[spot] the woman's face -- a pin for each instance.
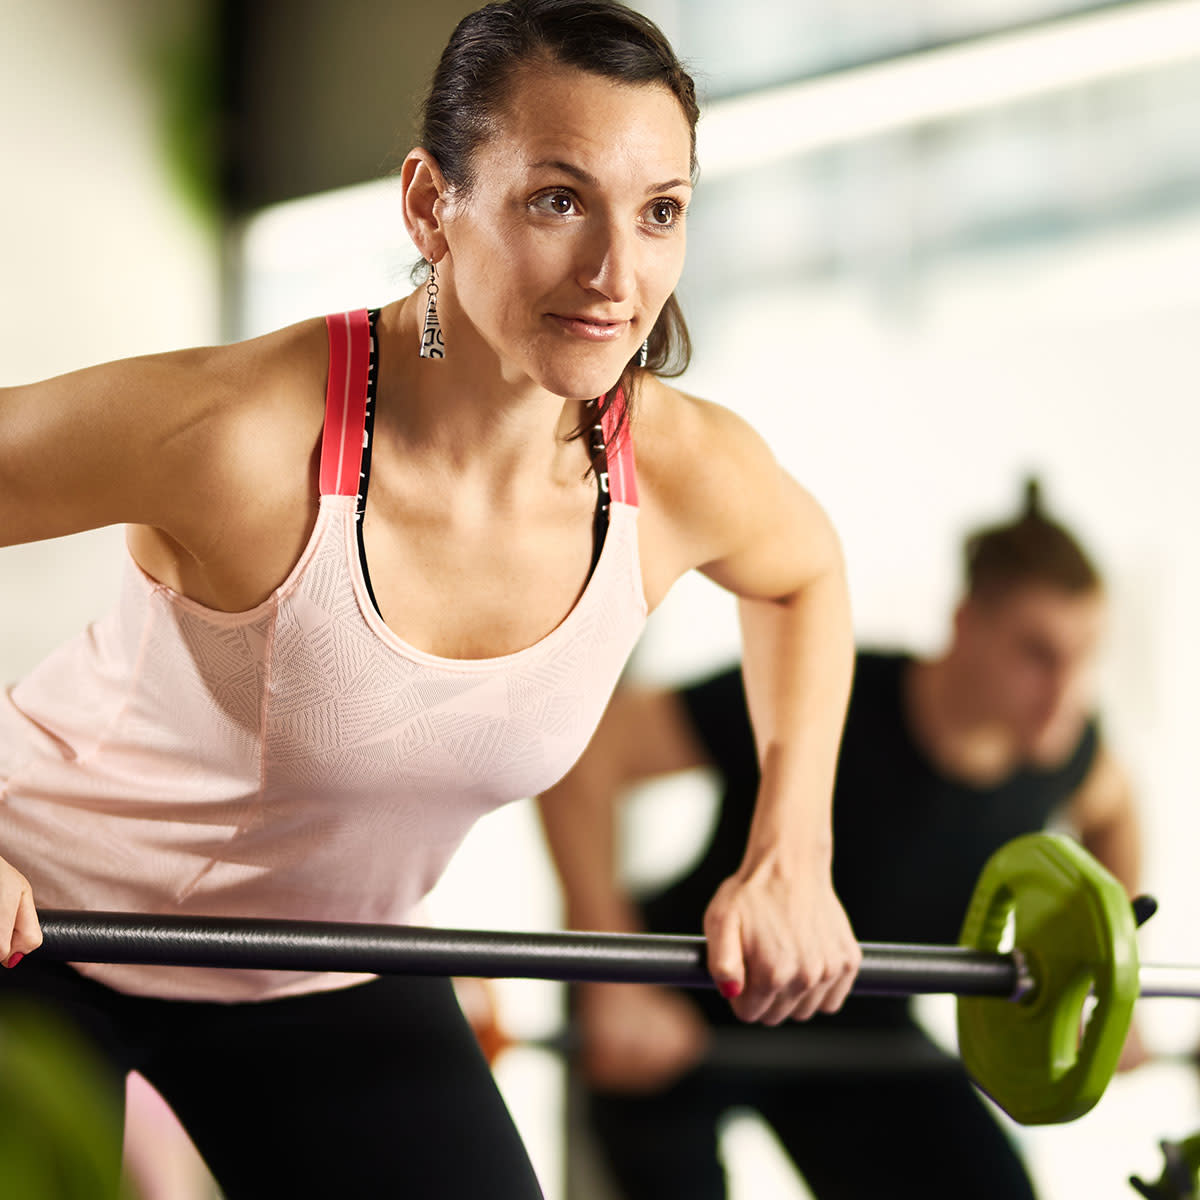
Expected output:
(571, 239)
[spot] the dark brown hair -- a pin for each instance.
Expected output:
(603, 37)
(1032, 549)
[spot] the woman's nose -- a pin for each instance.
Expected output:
(609, 263)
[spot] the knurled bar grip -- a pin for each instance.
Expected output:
(233, 942)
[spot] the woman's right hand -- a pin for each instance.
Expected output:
(19, 929)
(637, 1038)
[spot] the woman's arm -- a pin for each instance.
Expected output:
(207, 455)
(164, 440)
(779, 943)
(102, 446)
(77, 452)
(167, 444)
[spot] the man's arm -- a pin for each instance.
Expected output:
(1104, 815)
(644, 733)
(633, 1038)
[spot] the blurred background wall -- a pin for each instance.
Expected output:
(106, 248)
(935, 246)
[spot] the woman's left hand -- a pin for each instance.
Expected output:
(779, 943)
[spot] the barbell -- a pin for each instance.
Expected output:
(1046, 971)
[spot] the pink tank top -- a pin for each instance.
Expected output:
(297, 760)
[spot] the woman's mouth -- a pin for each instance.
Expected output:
(591, 329)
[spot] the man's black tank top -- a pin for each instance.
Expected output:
(909, 843)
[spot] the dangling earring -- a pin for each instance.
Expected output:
(644, 353)
(432, 344)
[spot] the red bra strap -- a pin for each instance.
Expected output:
(345, 402)
(622, 479)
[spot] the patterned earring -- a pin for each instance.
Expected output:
(644, 353)
(432, 343)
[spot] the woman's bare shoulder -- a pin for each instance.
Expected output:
(707, 483)
(255, 369)
(131, 434)
(194, 379)
(715, 497)
(276, 380)
(686, 444)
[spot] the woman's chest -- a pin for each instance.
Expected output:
(475, 589)
(344, 684)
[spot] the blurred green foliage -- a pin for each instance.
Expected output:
(60, 1130)
(183, 55)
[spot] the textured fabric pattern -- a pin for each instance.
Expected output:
(297, 760)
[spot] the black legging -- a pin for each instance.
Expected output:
(857, 1138)
(377, 1090)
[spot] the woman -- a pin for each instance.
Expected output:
(265, 727)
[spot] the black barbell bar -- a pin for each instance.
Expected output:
(253, 943)
(888, 969)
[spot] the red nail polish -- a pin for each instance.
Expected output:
(730, 990)
(14, 958)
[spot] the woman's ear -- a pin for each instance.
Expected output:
(425, 191)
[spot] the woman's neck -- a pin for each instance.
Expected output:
(462, 414)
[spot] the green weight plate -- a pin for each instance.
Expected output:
(1073, 923)
(60, 1132)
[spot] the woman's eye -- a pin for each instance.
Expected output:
(562, 204)
(665, 213)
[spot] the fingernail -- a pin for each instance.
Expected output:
(730, 989)
(14, 958)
